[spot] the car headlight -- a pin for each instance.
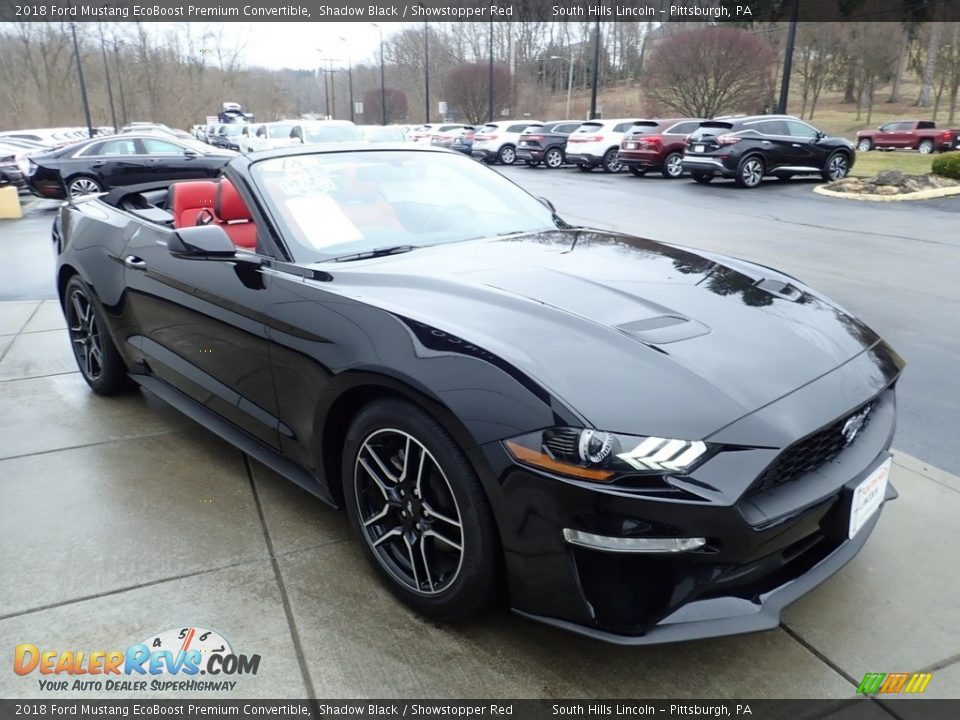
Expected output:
(599, 456)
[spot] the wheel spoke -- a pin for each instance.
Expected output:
(376, 458)
(441, 538)
(430, 512)
(88, 362)
(413, 561)
(376, 479)
(395, 532)
(426, 565)
(379, 516)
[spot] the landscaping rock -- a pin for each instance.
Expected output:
(890, 182)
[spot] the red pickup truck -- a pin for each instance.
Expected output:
(921, 135)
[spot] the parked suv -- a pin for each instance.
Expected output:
(656, 145)
(749, 148)
(597, 142)
(546, 143)
(497, 141)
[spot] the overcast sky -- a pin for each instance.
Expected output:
(295, 45)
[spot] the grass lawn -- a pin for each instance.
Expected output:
(910, 162)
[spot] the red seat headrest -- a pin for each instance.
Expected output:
(189, 197)
(229, 205)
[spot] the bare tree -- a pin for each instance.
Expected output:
(873, 45)
(931, 50)
(396, 105)
(817, 51)
(467, 90)
(709, 71)
(948, 67)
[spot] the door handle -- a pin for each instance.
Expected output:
(98, 165)
(765, 142)
(135, 263)
(796, 145)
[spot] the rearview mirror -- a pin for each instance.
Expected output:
(204, 242)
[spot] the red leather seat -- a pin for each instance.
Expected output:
(234, 216)
(192, 200)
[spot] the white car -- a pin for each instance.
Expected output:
(497, 141)
(597, 142)
(421, 134)
(265, 136)
(308, 132)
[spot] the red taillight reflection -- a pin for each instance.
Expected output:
(533, 137)
(587, 138)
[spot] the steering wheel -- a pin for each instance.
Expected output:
(451, 216)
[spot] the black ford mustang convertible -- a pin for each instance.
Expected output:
(628, 439)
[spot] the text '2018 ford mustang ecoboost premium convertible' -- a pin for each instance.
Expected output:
(633, 440)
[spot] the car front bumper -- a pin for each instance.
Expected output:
(764, 548)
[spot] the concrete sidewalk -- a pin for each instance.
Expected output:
(120, 519)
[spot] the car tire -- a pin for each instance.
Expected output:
(837, 167)
(865, 145)
(531, 163)
(638, 172)
(672, 166)
(702, 178)
(583, 167)
(553, 158)
(81, 185)
(97, 358)
(507, 155)
(750, 172)
(397, 456)
(925, 147)
(611, 161)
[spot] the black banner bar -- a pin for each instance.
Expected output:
(390, 11)
(856, 709)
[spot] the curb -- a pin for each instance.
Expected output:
(919, 195)
(930, 472)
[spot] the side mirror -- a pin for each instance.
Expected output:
(547, 204)
(204, 242)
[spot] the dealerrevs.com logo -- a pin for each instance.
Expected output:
(172, 660)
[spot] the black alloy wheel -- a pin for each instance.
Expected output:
(419, 508)
(97, 358)
(750, 172)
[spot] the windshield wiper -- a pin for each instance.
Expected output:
(376, 252)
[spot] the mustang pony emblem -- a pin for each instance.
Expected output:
(853, 426)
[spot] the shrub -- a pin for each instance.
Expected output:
(947, 165)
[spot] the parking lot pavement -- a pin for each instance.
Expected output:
(120, 519)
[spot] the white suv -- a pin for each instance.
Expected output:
(497, 141)
(597, 142)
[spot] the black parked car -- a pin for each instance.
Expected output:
(101, 164)
(546, 143)
(642, 442)
(749, 148)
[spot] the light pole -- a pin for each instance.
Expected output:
(596, 71)
(383, 82)
(426, 71)
(349, 76)
(83, 84)
(106, 72)
(490, 78)
(788, 59)
(123, 101)
(569, 79)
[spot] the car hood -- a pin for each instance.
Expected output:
(631, 334)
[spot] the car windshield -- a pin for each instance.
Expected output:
(335, 204)
(331, 133)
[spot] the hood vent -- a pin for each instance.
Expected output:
(662, 329)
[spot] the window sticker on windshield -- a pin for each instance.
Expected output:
(321, 221)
